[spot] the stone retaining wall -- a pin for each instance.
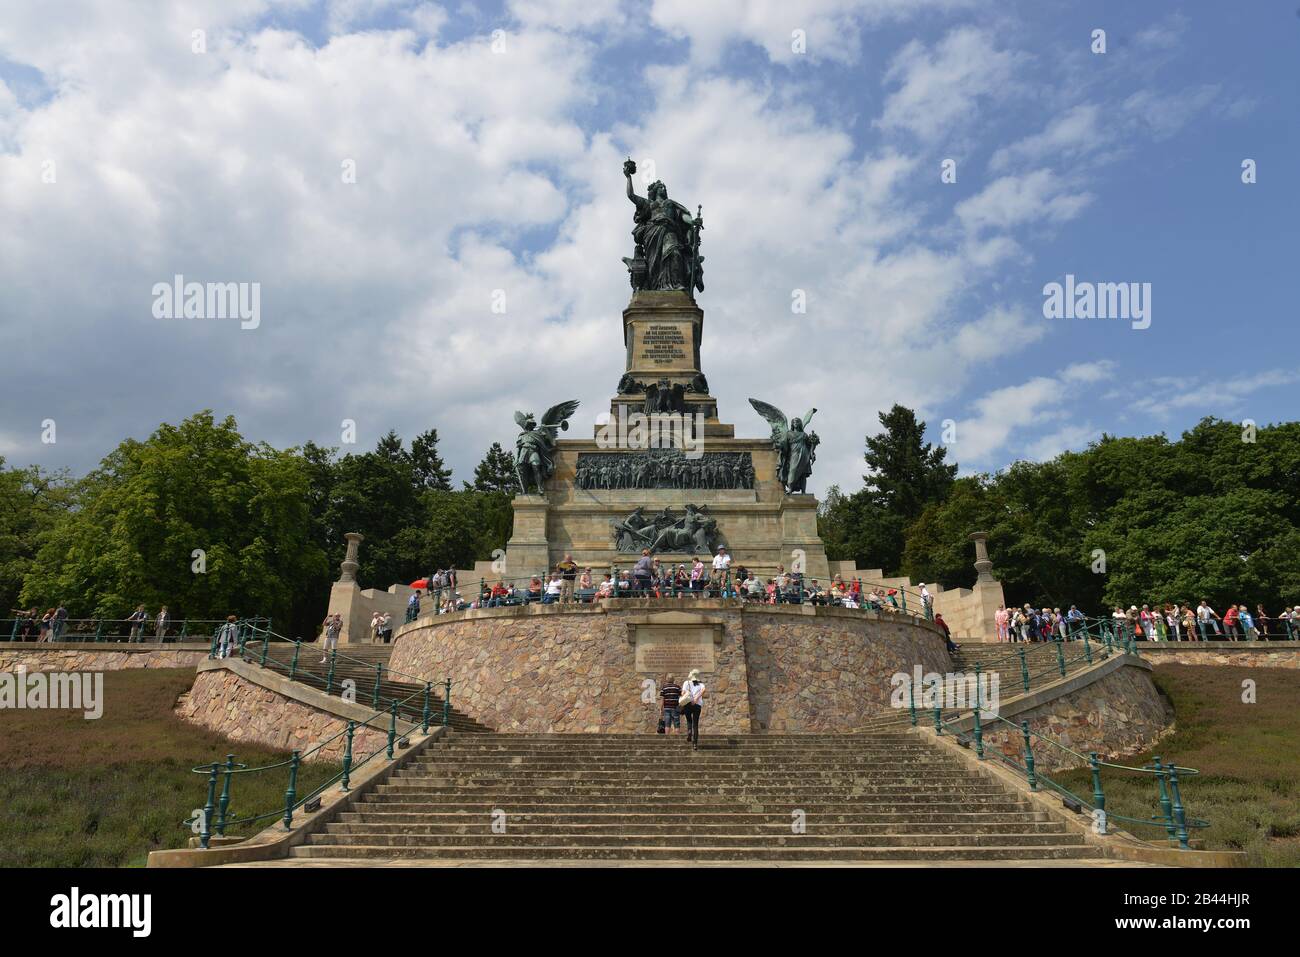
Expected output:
(1112, 708)
(550, 668)
(249, 704)
(1255, 654)
(76, 656)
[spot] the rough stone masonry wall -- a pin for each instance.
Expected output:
(548, 669)
(53, 657)
(536, 669)
(1264, 655)
(243, 711)
(830, 672)
(1119, 714)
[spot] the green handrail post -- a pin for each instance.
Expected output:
(902, 594)
(266, 644)
(13, 632)
(293, 666)
(1024, 670)
(979, 730)
(1098, 796)
(212, 651)
(424, 721)
(1180, 817)
(911, 701)
(205, 826)
(392, 726)
(938, 714)
(185, 625)
(291, 793)
(446, 703)
(379, 672)
(1166, 806)
(1105, 636)
(1029, 757)
(1087, 648)
(329, 677)
(99, 629)
(224, 804)
(347, 755)
(1060, 656)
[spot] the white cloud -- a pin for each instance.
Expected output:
(1000, 332)
(832, 27)
(939, 89)
(1012, 201)
(1076, 132)
(1003, 413)
(1221, 394)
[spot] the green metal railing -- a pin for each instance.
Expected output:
(215, 818)
(254, 643)
(1173, 817)
(118, 630)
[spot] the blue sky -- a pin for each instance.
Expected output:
(482, 169)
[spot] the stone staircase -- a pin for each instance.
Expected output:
(884, 796)
(360, 665)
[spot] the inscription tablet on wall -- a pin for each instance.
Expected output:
(674, 650)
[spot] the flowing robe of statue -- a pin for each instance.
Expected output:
(664, 234)
(798, 456)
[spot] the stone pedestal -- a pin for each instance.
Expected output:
(800, 542)
(662, 333)
(761, 526)
(528, 551)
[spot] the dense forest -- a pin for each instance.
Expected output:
(201, 519)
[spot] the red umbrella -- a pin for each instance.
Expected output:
(420, 583)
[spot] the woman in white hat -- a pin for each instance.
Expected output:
(692, 704)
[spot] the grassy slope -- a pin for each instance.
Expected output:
(78, 793)
(1248, 756)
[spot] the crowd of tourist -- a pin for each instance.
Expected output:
(650, 577)
(29, 624)
(1167, 622)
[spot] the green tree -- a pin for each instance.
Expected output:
(32, 501)
(905, 474)
(139, 518)
(426, 463)
(496, 473)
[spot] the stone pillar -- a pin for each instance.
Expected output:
(528, 551)
(987, 592)
(345, 594)
(349, 564)
(799, 535)
(983, 566)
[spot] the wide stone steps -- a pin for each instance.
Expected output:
(783, 837)
(1003, 804)
(677, 828)
(701, 852)
(1008, 818)
(887, 796)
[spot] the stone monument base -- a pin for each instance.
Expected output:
(597, 668)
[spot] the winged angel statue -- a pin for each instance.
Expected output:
(797, 448)
(535, 447)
